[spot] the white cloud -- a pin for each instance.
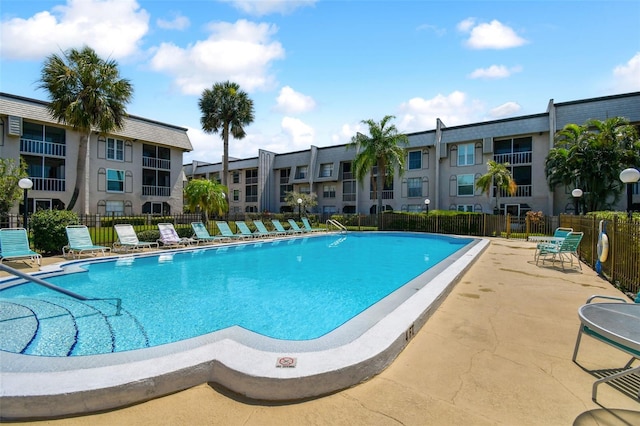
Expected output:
(346, 132)
(179, 22)
(113, 28)
(301, 135)
(241, 52)
(493, 35)
(265, 7)
(494, 72)
(505, 110)
(291, 102)
(432, 28)
(627, 76)
(420, 114)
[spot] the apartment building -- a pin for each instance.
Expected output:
(137, 169)
(442, 167)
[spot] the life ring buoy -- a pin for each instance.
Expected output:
(603, 247)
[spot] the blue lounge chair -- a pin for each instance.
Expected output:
(295, 227)
(276, 224)
(14, 245)
(224, 229)
(558, 236)
(169, 236)
(80, 242)
(244, 230)
(308, 228)
(128, 239)
(201, 234)
(264, 231)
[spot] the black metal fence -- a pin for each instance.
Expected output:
(621, 268)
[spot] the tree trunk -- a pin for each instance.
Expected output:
(80, 167)
(87, 174)
(225, 160)
(380, 183)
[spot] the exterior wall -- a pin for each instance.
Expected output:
(136, 133)
(440, 171)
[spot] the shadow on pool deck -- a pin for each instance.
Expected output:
(497, 351)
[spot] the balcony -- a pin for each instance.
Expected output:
(30, 146)
(348, 197)
(513, 158)
(521, 191)
(156, 163)
(386, 195)
(48, 184)
(156, 191)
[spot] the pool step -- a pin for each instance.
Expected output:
(58, 326)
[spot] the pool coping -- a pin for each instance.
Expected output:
(52, 387)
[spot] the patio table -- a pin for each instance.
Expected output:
(617, 324)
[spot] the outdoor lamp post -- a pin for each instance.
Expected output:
(299, 207)
(576, 194)
(629, 176)
(426, 205)
(26, 184)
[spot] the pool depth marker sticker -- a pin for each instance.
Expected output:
(286, 362)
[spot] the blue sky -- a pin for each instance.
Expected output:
(315, 69)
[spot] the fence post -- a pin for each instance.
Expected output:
(508, 222)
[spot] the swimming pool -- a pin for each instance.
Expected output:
(236, 338)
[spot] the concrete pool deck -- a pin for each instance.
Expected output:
(497, 351)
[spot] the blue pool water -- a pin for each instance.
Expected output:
(290, 289)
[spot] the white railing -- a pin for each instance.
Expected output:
(521, 191)
(386, 195)
(156, 163)
(333, 222)
(513, 158)
(348, 197)
(31, 146)
(156, 191)
(48, 184)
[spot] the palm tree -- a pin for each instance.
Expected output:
(225, 107)
(382, 149)
(86, 93)
(206, 195)
(497, 175)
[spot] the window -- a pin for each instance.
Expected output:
(38, 132)
(301, 172)
(326, 170)
(251, 176)
(115, 149)
(465, 208)
(236, 177)
(415, 160)
(346, 171)
(236, 195)
(284, 184)
(466, 154)
(349, 190)
(329, 191)
(305, 189)
(252, 194)
(115, 181)
(465, 185)
(414, 187)
(115, 207)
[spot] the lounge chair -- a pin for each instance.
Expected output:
(615, 324)
(224, 229)
(80, 242)
(169, 236)
(14, 245)
(557, 237)
(307, 226)
(264, 231)
(295, 227)
(201, 234)
(276, 224)
(244, 230)
(128, 239)
(566, 248)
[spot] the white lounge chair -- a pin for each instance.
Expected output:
(128, 239)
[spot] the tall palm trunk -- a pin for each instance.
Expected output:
(80, 171)
(380, 182)
(225, 160)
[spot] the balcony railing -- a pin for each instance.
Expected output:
(521, 191)
(347, 175)
(48, 184)
(156, 163)
(156, 191)
(348, 197)
(386, 195)
(251, 199)
(513, 158)
(30, 146)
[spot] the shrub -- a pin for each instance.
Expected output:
(48, 226)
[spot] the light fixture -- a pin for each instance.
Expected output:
(426, 204)
(576, 194)
(26, 184)
(629, 176)
(299, 207)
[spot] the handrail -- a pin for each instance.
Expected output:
(341, 227)
(53, 287)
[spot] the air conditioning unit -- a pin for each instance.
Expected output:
(15, 126)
